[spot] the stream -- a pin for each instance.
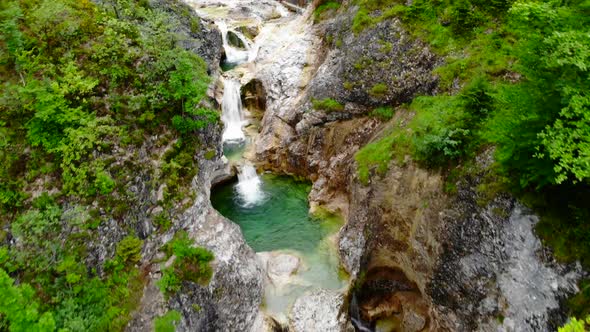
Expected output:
(297, 250)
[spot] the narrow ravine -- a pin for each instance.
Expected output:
(297, 251)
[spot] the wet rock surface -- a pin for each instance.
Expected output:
(494, 274)
(243, 10)
(279, 267)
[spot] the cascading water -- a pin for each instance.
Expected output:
(355, 316)
(233, 55)
(249, 187)
(231, 113)
(272, 211)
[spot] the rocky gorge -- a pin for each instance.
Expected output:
(420, 259)
(293, 165)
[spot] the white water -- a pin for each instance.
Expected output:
(280, 50)
(231, 112)
(234, 55)
(249, 186)
(355, 316)
(283, 10)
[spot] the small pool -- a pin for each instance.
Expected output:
(280, 222)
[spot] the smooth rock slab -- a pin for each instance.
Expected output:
(319, 311)
(279, 267)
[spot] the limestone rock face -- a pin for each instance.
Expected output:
(231, 300)
(382, 65)
(494, 266)
(194, 33)
(232, 297)
(319, 311)
(447, 260)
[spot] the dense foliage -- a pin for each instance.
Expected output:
(83, 87)
(575, 325)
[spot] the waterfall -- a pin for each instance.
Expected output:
(231, 112)
(233, 55)
(282, 10)
(249, 186)
(355, 316)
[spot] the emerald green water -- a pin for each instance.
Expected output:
(234, 152)
(281, 222)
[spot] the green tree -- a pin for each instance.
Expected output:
(20, 309)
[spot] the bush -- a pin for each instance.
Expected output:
(104, 183)
(378, 90)
(191, 264)
(576, 325)
(194, 120)
(440, 146)
(163, 222)
(439, 130)
(129, 250)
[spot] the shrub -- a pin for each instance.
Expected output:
(194, 120)
(440, 146)
(191, 264)
(378, 90)
(464, 18)
(162, 221)
(129, 250)
(104, 183)
(576, 325)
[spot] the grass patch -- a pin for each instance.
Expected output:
(327, 104)
(167, 323)
(377, 155)
(384, 113)
(326, 7)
